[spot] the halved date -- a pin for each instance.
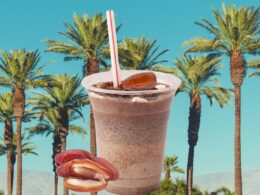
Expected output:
(84, 169)
(84, 173)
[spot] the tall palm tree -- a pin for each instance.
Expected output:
(27, 148)
(199, 77)
(20, 72)
(139, 54)
(235, 34)
(61, 103)
(48, 124)
(170, 165)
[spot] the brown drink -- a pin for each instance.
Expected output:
(131, 130)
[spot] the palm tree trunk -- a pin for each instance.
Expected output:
(167, 175)
(64, 124)
(8, 140)
(19, 156)
(238, 176)
(93, 144)
(92, 67)
(190, 170)
(63, 148)
(237, 73)
(13, 160)
(19, 102)
(56, 148)
(55, 184)
(89, 68)
(9, 171)
(193, 131)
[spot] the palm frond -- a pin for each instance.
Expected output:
(68, 96)
(20, 68)
(139, 54)
(77, 129)
(199, 74)
(170, 164)
(235, 29)
(165, 69)
(85, 38)
(221, 95)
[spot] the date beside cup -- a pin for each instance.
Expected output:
(84, 173)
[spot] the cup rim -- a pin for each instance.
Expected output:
(165, 78)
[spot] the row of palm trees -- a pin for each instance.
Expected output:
(235, 34)
(55, 110)
(20, 73)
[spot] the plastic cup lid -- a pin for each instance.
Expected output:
(170, 80)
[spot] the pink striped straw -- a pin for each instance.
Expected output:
(113, 48)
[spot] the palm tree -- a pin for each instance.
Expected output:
(27, 148)
(199, 77)
(59, 105)
(48, 124)
(139, 54)
(170, 165)
(20, 72)
(235, 34)
(223, 190)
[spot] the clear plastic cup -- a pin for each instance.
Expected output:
(131, 129)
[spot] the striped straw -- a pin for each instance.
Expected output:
(113, 48)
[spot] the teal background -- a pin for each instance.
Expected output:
(27, 23)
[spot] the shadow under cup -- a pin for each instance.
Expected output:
(130, 131)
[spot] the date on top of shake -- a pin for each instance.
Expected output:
(141, 81)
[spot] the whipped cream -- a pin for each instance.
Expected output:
(160, 86)
(139, 99)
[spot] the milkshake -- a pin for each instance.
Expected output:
(131, 129)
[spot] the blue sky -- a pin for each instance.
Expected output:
(27, 23)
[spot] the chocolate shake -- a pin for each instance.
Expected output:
(131, 129)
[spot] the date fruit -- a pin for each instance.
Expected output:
(141, 81)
